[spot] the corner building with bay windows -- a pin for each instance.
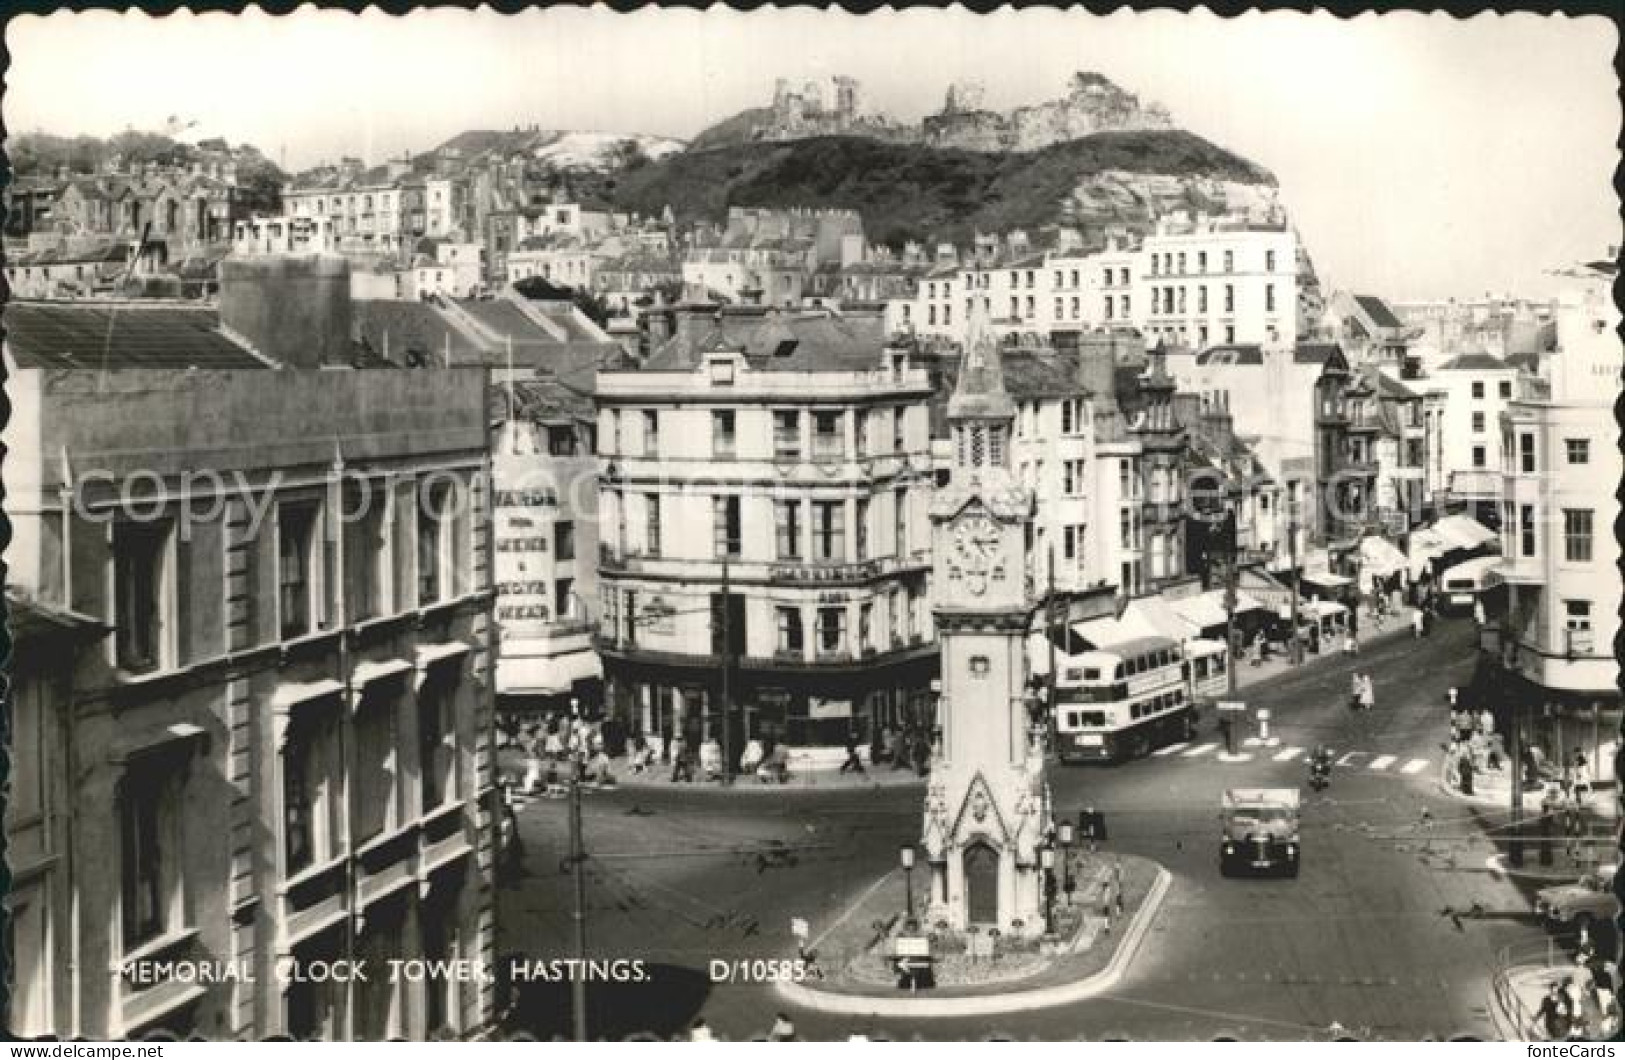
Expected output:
(267, 738)
(765, 481)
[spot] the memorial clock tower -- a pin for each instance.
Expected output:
(987, 808)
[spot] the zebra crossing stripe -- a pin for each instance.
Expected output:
(1382, 762)
(1289, 754)
(1345, 759)
(1202, 750)
(1172, 748)
(1415, 765)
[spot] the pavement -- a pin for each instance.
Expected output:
(702, 890)
(1280, 663)
(1018, 997)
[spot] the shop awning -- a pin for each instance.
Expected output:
(1106, 631)
(1325, 579)
(1379, 556)
(1463, 531)
(546, 675)
(1321, 608)
(1483, 572)
(1203, 611)
(1164, 616)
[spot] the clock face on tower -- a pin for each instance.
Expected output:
(974, 551)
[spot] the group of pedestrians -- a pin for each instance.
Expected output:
(1583, 1006)
(573, 744)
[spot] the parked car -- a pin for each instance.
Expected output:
(1581, 903)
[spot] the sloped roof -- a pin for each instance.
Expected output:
(1035, 374)
(1377, 310)
(1317, 353)
(545, 399)
(411, 327)
(108, 335)
(791, 342)
(1478, 361)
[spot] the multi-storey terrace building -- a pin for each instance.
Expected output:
(1560, 463)
(281, 752)
(764, 487)
(545, 544)
(1464, 434)
(1196, 282)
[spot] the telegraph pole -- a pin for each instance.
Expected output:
(1292, 552)
(578, 915)
(727, 690)
(1230, 595)
(1049, 631)
(1515, 763)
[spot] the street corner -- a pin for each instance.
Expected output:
(980, 973)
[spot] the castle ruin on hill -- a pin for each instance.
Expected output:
(833, 106)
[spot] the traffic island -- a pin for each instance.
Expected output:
(981, 973)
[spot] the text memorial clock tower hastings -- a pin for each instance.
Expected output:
(987, 808)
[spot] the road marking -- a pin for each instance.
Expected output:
(1415, 765)
(1345, 759)
(1202, 750)
(1382, 762)
(1289, 754)
(1170, 749)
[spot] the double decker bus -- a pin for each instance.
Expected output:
(1207, 664)
(1123, 701)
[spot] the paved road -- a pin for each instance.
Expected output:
(683, 878)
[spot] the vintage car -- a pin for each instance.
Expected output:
(1260, 831)
(1588, 899)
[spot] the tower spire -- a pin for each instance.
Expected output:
(979, 392)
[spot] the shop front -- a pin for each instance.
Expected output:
(661, 695)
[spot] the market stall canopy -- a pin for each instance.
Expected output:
(1322, 608)
(1379, 556)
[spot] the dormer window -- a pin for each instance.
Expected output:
(722, 373)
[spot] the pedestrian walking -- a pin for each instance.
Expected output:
(1464, 769)
(1418, 625)
(1580, 776)
(1368, 693)
(1350, 646)
(1356, 690)
(853, 763)
(700, 1032)
(1553, 1017)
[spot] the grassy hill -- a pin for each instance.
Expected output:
(912, 192)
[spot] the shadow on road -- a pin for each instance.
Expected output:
(663, 1004)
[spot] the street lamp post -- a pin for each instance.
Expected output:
(1064, 836)
(1046, 858)
(905, 855)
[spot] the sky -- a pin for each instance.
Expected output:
(1420, 156)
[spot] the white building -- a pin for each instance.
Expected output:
(285, 234)
(1560, 464)
(1464, 433)
(766, 473)
(1201, 282)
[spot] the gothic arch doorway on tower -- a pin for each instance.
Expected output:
(981, 884)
